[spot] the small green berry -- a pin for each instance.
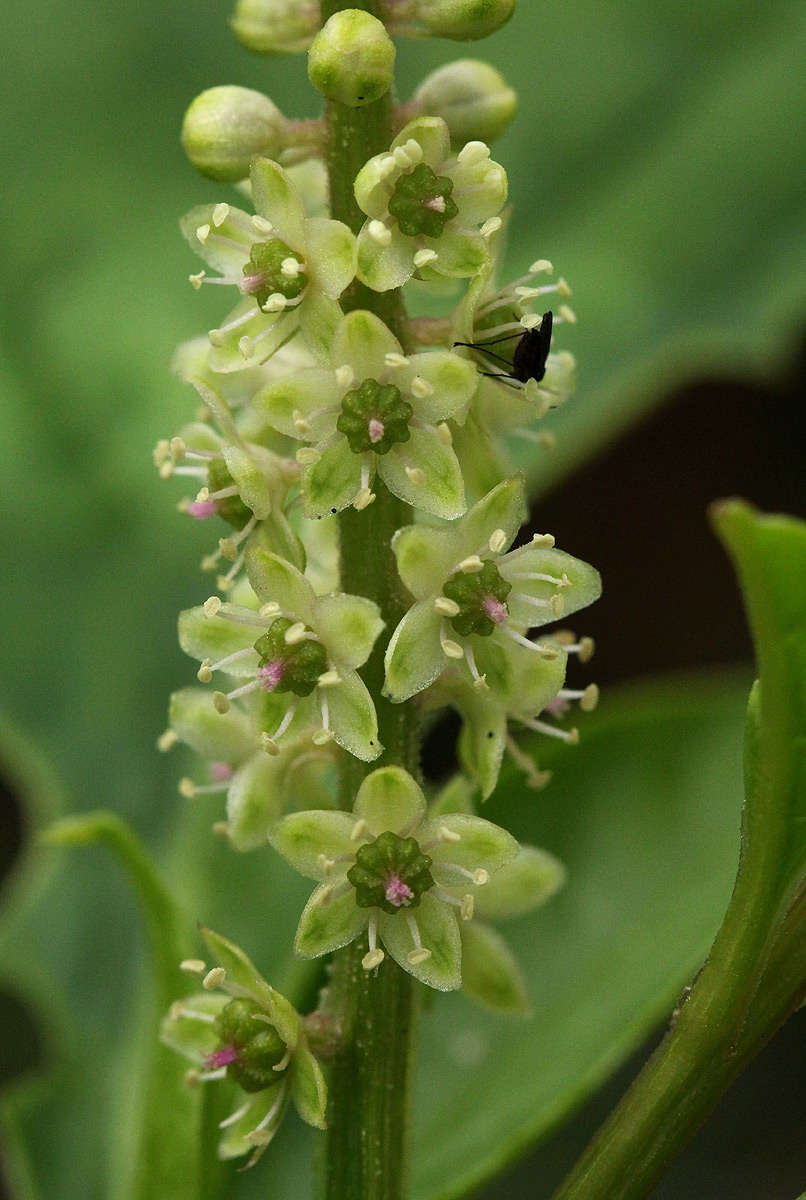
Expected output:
(480, 596)
(374, 417)
(226, 126)
(473, 99)
(390, 873)
(422, 202)
(352, 58)
(230, 508)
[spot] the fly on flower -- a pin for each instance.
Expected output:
(530, 357)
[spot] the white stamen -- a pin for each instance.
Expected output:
(571, 736)
(236, 1116)
(375, 956)
(479, 681)
(567, 314)
(379, 233)
(446, 607)
(196, 281)
(421, 387)
(450, 648)
(490, 226)
(218, 336)
(423, 257)
(535, 778)
(546, 651)
(295, 634)
(220, 214)
(444, 434)
(359, 830)
(416, 476)
(470, 565)
(419, 954)
(261, 224)
(166, 741)
(202, 233)
(540, 266)
(393, 359)
(193, 966)
(498, 539)
(214, 978)
(306, 456)
(345, 376)
(328, 679)
(473, 153)
(414, 150)
(212, 606)
(290, 268)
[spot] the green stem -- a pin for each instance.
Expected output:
(369, 1078)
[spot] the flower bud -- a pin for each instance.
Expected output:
(276, 26)
(226, 126)
(352, 59)
(464, 20)
(473, 99)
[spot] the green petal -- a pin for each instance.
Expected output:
(522, 679)
(303, 393)
(235, 1142)
(529, 880)
(254, 801)
(272, 578)
(329, 923)
(275, 198)
(193, 1038)
(229, 353)
(389, 799)
(481, 462)
(331, 252)
(460, 253)
(479, 189)
(414, 655)
(480, 844)
(333, 482)
(371, 187)
(455, 796)
(483, 739)
(217, 252)
(303, 837)
(362, 341)
(243, 979)
(585, 584)
(352, 716)
(252, 482)
(439, 933)
(348, 626)
(308, 1089)
(490, 974)
(201, 637)
(442, 491)
(432, 135)
(222, 737)
(318, 317)
(385, 267)
(453, 379)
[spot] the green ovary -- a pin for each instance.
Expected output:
(232, 508)
(422, 202)
(258, 1046)
(264, 276)
(480, 597)
(289, 668)
(374, 417)
(390, 873)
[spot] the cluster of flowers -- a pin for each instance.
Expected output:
(307, 411)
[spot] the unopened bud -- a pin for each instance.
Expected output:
(226, 126)
(352, 58)
(276, 26)
(464, 20)
(473, 99)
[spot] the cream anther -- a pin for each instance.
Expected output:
(452, 649)
(359, 830)
(467, 908)
(220, 214)
(295, 633)
(178, 448)
(214, 978)
(204, 673)
(498, 539)
(541, 265)
(416, 476)
(418, 956)
(589, 698)
(220, 828)
(187, 788)
(387, 166)
(261, 224)
(586, 649)
(449, 835)
(490, 226)
(322, 737)
(193, 966)
(300, 423)
(444, 434)
(393, 359)
(328, 679)
(480, 877)
(563, 288)
(269, 609)
(480, 683)
(325, 864)
(379, 233)
(268, 744)
(196, 281)
(229, 548)
(567, 314)
(414, 150)
(373, 959)
(470, 565)
(530, 321)
(542, 539)
(446, 607)
(220, 702)
(275, 303)
(423, 257)
(290, 268)
(402, 159)
(363, 499)
(557, 604)
(345, 376)
(212, 606)
(166, 741)
(527, 293)
(421, 387)
(202, 233)
(472, 153)
(203, 495)
(306, 456)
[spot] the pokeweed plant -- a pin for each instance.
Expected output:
(376, 565)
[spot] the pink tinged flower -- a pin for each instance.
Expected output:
(220, 771)
(397, 892)
(271, 674)
(494, 609)
(557, 707)
(375, 429)
(202, 509)
(221, 1058)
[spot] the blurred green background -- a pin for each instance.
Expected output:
(657, 160)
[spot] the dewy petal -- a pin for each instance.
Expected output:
(244, 979)
(453, 380)
(426, 557)
(389, 799)
(523, 680)
(433, 137)
(235, 1140)
(318, 317)
(529, 880)
(483, 739)
(335, 480)
(502, 508)
(217, 249)
(214, 637)
(255, 800)
(329, 922)
(253, 483)
(460, 252)
(362, 342)
(348, 627)
(230, 351)
(221, 737)
(308, 1089)
(490, 973)
(385, 267)
(441, 491)
(303, 838)
(331, 254)
(414, 657)
(439, 933)
(302, 394)
(480, 844)
(188, 1036)
(371, 190)
(352, 716)
(479, 189)
(274, 579)
(584, 586)
(275, 198)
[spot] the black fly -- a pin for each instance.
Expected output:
(529, 359)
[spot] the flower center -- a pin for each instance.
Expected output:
(374, 416)
(289, 667)
(250, 1049)
(390, 873)
(422, 202)
(480, 596)
(273, 268)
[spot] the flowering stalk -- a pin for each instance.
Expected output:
(358, 457)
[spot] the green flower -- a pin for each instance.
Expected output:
(240, 1028)
(289, 268)
(374, 409)
(474, 604)
(298, 646)
(425, 205)
(392, 871)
